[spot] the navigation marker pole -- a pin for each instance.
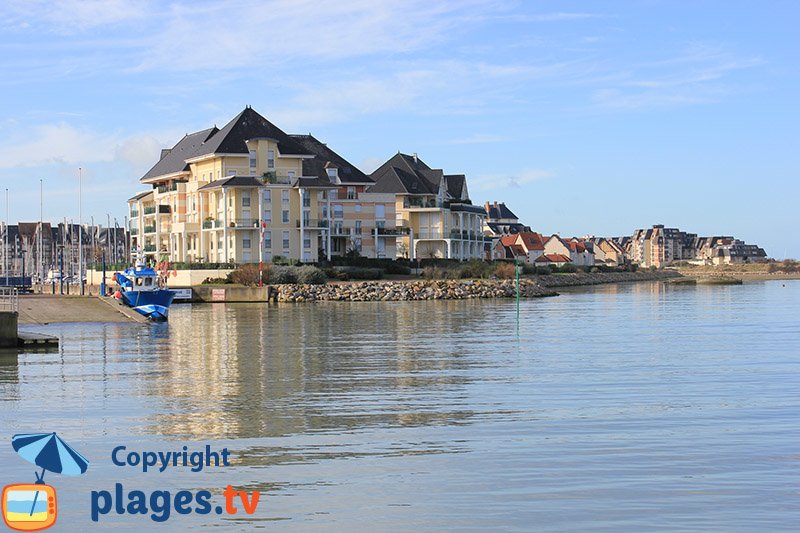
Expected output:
(516, 268)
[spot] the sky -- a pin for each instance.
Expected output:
(593, 117)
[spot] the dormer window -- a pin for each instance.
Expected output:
(333, 174)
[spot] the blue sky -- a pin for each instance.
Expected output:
(593, 117)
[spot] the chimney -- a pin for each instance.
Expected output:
(414, 155)
(495, 204)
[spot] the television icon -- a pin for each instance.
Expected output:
(29, 506)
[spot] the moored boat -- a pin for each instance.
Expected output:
(142, 290)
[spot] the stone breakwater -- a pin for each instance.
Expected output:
(597, 278)
(372, 291)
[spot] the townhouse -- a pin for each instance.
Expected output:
(435, 217)
(575, 249)
(250, 191)
(526, 246)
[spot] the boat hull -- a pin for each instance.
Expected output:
(152, 304)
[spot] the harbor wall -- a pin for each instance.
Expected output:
(8, 328)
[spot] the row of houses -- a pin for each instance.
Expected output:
(38, 248)
(250, 191)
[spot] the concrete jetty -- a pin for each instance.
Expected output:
(49, 309)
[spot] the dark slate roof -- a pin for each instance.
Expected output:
(245, 126)
(314, 182)
(406, 174)
(325, 158)
(174, 160)
(140, 195)
(233, 181)
(455, 185)
(501, 211)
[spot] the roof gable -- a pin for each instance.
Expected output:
(325, 158)
(174, 159)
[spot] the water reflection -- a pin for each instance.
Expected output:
(9, 375)
(267, 371)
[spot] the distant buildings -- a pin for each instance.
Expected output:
(56, 246)
(659, 246)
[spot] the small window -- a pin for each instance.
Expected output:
(285, 196)
(232, 172)
(333, 173)
(268, 216)
(285, 216)
(246, 243)
(306, 200)
(290, 174)
(351, 193)
(358, 208)
(268, 239)
(358, 227)
(252, 162)
(307, 242)
(338, 212)
(270, 158)
(380, 211)
(245, 199)
(285, 240)
(148, 282)
(267, 195)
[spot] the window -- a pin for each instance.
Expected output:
(246, 243)
(306, 217)
(358, 208)
(358, 227)
(307, 242)
(245, 199)
(351, 193)
(232, 172)
(252, 162)
(325, 212)
(268, 216)
(285, 216)
(333, 173)
(380, 212)
(285, 196)
(267, 196)
(321, 196)
(268, 239)
(334, 194)
(290, 174)
(358, 244)
(270, 158)
(285, 240)
(306, 200)
(338, 212)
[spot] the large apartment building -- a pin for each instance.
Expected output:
(434, 215)
(250, 191)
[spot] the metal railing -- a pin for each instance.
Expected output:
(149, 247)
(312, 223)
(209, 224)
(9, 299)
(246, 223)
(149, 210)
(149, 229)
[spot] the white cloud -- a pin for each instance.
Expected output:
(72, 16)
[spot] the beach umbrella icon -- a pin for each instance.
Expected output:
(48, 451)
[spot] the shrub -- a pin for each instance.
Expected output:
(217, 281)
(475, 268)
(311, 275)
(396, 268)
(505, 271)
(280, 275)
(567, 268)
(528, 268)
(362, 273)
(544, 270)
(247, 275)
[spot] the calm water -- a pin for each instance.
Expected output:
(633, 407)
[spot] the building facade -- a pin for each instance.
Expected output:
(251, 192)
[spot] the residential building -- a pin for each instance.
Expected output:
(606, 251)
(434, 215)
(525, 245)
(573, 248)
(660, 246)
(556, 260)
(250, 191)
(500, 220)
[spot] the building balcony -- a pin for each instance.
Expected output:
(134, 231)
(164, 209)
(150, 210)
(312, 223)
(392, 232)
(211, 224)
(273, 179)
(244, 223)
(134, 214)
(149, 248)
(340, 232)
(149, 229)
(167, 188)
(431, 235)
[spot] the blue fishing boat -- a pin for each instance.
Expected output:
(141, 288)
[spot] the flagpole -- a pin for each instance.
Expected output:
(41, 235)
(5, 255)
(80, 228)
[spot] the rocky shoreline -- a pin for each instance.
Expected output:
(374, 291)
(598, 278)
(387, 291)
